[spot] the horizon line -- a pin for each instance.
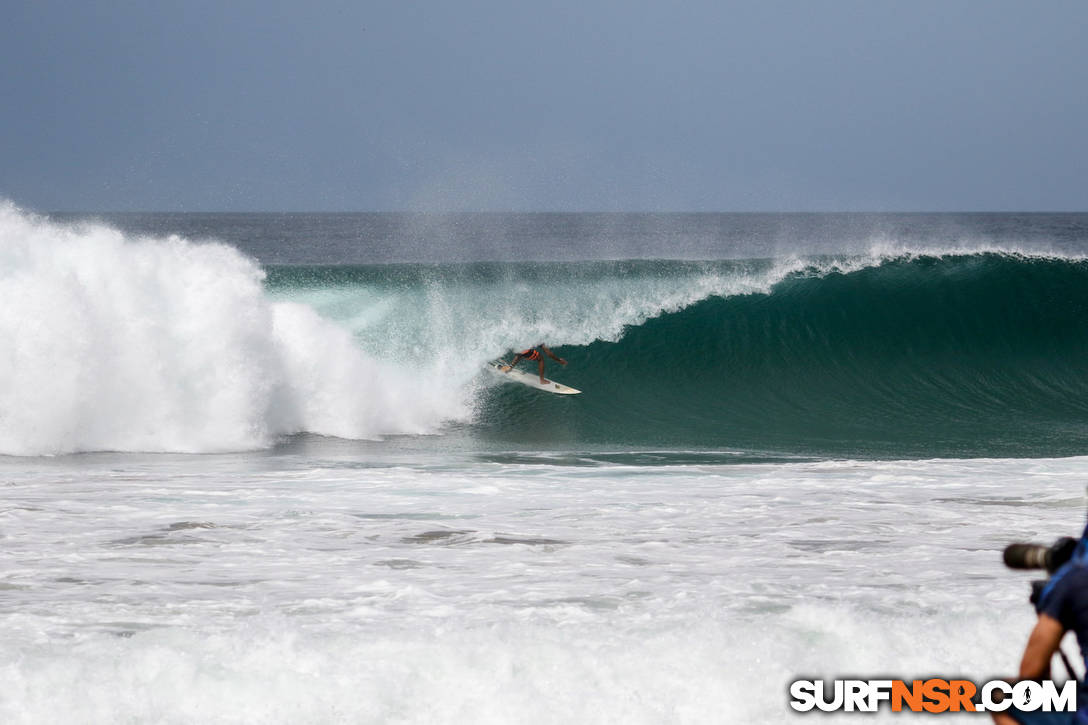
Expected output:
(463, 212)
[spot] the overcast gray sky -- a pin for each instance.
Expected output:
(509, 105)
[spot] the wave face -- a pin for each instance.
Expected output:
(967, 354)
(159, 344)
(961, 355)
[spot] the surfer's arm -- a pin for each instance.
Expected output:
(552, 355)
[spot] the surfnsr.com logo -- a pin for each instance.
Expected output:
(933, 695)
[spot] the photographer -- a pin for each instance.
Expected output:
(1062, 605)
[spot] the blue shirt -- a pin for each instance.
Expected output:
(1065, 599)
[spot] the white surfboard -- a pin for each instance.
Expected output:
(533, 380)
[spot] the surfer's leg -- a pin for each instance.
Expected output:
(542, 380)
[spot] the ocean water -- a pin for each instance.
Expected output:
(254, 469)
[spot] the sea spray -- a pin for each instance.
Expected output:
(117, 343)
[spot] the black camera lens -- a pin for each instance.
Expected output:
(1026, 556)
(1036, 556)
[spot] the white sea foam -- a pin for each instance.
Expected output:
(257, 588)
(146, 344)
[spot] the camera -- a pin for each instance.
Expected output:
(1037, 556)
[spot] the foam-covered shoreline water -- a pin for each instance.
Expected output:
(231, 588)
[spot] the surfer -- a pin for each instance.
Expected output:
(533, 353)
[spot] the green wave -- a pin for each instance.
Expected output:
(961, 355)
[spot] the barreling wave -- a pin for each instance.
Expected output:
(159, 344)
(897, 354)
(977, 354)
